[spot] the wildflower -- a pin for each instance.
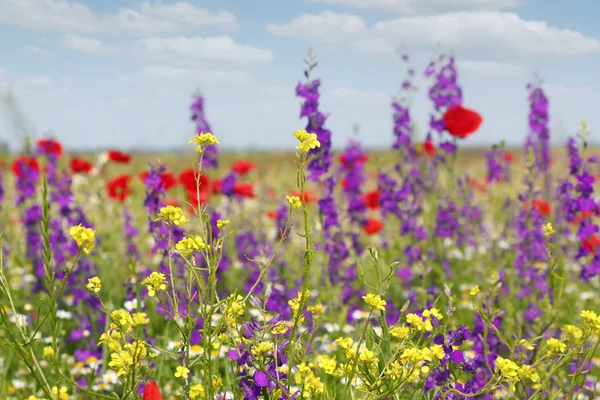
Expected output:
(119, 157)
(79, 165)
(48, 353)
(155, 283)
(400, 332)
(182, 372)
(474, 291)
(242, 167)
(203, 140)
(61, 394)
(262, 348)
(417, 322)
(280, 329)
(94, 284)
(307, 140)
(293, 201)
(372, 226)
(344, 343)
(152, 392)
(462, 122)
(368, 357)
(590, 318)
(172, 215)
(528, 372)
(123, 318)
(548, 229)
(555, 346)
(507, 369)
(310, 384)
(235, 309)
(415, 355)
(189, 245)
(395, 370)
(375, 301)
(221, 223)
(525, 343)
(573, 332)
(140, 318)
(433, 312)
(197, 391)
(112, 339)
(84, 237)
(118, 188)
(327, 364)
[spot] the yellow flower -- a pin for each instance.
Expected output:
(155, 282)
(94, 284)
(525, 343)
(400, 332)
(591, 319)
(280, 329)
(548, 229)
(182, 372)
(307, 140)
(123, 318)
(85, 237)
(221, 223)
(417, 322)
(140, 318)
(433, 312)
(203, 140)
(507, 369)
(555, 346)
(305, 378)
(262, 348)
(197, 391)
(375, 301)
(171, 214)
(190, 245)
(62, 394)
(327, 364)
(368, 357)
(112, 339)
(437, 351)
(48, 353)
(573, 332)
(293, 201)
(528, 372)
(474, 291)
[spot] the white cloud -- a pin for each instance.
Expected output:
(491, 69)
(195, 76)
(344, 95)
(184, 50)
(410, 7)
(147, 19)
(87, 45)
(41, 85)
(488, 33)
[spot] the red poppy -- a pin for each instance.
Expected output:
(151, 392)
(347, 164)
(581, 215)
(477, 185)
(372, 226)
(429, 148)
(118, 188)
(345, 183)
(462, 122)
(272, 215)
(50, 146)
(542, 206)
(168, 180)
(309, 196)
(20, 162)
(187, 178)
(591, 243)
(242, 167)
(79, 165)
(119, 157)
(371, 199)
(244, 189)
(216, 186)
(508, 157)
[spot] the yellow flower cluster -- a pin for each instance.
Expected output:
(280, 329)
(555, 346)
(400, 332)
(375, 301)
(235, 308)
(48, 353)
(311, 384)
(124, 360)
(190, 245)
(221, 223)
(474, 291)
(85, 237)
(295, 305)
(173, 215)
(155, 283)
(182, 372)
(112, 339)
(548, 229)
(94, 284)
(510, 372)
(294, 201)
(416, 355)
(262, 348)
(197, 392)
(202, 140)
(62, 393)
(590, 319)
(307, 140)
(573, 333)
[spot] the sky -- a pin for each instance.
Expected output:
(100, 74)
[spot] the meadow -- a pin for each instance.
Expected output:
(425, 271)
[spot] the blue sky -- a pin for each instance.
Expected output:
(121, 73)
